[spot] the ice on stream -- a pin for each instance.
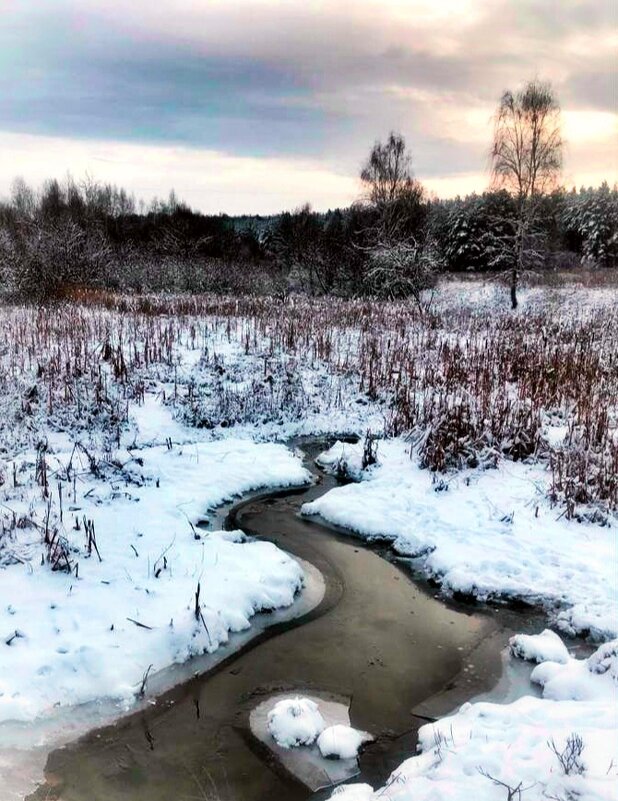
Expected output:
(311, 737)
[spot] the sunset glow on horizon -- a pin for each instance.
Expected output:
(257, 106)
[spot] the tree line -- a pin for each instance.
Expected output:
(392, 243)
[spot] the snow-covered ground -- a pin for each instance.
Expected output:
(562, 746)
(487, 533)
(94, 632)
(140, 454)
(177, 414)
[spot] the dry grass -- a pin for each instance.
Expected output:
(470, 384)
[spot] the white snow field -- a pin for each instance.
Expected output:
(561, 746)
(493, 534)
(175, 411)
(295, 721)
(69, 638)
(487, 533)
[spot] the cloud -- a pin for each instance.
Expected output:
(307, 80)
(595, 89)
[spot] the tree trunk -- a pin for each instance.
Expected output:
(519, 262)
(514, 288)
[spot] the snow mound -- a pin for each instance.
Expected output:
(340, 742)
(353, 792)
(295, 721)
(544, 647)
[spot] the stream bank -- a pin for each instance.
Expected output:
(386, 642)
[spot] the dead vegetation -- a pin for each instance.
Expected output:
(469, 385)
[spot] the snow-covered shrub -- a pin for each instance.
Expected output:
(370, 450)
(585, 475)
(349, 460)
(295, 721)
(401, 269)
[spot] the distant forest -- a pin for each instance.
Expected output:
(74, 234)
(392, 243)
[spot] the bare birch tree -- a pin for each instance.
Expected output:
(526, 160)
(387, 174)
(399, 262)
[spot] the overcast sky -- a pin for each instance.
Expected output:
(256, 105)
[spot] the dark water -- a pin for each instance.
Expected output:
(377, 638)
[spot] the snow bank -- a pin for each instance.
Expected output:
(484, 749)
(341, 742)
(595, 678)
(295, 721)
(485, 533)
(69, 639)
(541, 647)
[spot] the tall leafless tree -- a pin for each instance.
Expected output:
(398, 263)
(387, 174)
(390, 187)
(526, 159)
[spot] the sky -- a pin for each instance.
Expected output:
(253, 106)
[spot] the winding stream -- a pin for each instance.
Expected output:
(378, 638)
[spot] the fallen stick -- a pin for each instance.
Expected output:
(141, 625)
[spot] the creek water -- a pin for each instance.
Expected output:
(387, 643)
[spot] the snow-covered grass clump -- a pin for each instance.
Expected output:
(295, 721)
(341, 742)
(484, 533)
(342, 459)
(350, 460)
(561, 746)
